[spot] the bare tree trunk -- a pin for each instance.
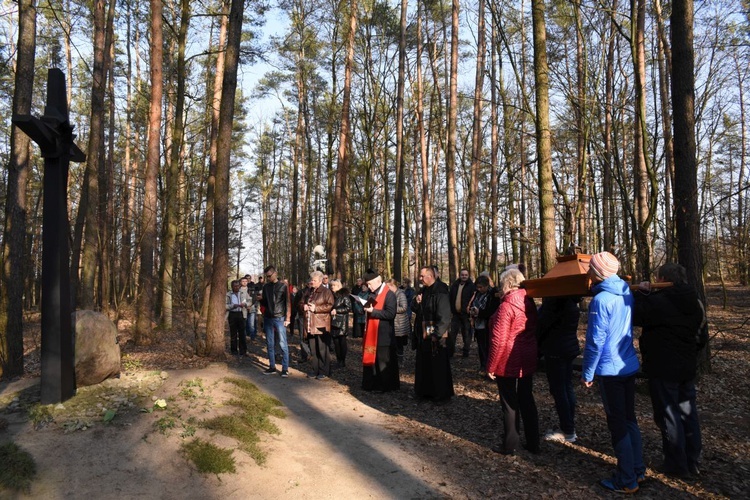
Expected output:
(543, 139)
(398, 201)
(476, 143)
(145, 304)
(215, 323)
(14, 230)
(494, 148)
(608, 237)
(106, 176)
(664, 63)
(338, 229)
(450, 153)
(172, 208)
(91, 248)
(426, 257)
(687, 217)
(208, 242)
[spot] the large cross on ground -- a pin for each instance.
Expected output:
(54, 135)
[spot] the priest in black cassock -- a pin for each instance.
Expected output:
(432, 375)
(379, 353)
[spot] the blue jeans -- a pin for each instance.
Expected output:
(272, 326)
(250, 328)
(676, 415)
(618, 397)
(560, 379)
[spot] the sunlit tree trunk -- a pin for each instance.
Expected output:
(543, 139)
(91, 247)
(426, 254)
(172, 210)
(477, 143)
(450, 153)
(398, 200)
(338, 229)
(14, 229)
(208, 241)
(145, 303)
(216, 310)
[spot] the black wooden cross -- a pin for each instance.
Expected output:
(54, 135)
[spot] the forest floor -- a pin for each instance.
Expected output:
(338, 441)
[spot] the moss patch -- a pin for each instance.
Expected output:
(208, 457)
(18, 468)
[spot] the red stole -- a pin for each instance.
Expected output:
(370, 344)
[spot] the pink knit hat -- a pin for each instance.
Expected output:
(604, 265)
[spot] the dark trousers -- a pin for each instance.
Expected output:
(320, 354)
(518, 403)
(618, 397)
(358, 327)
(560, 379)
(676, 415)
(237, 333)
(341, 348)
(459, 323)
(383, 375)
(483, 346)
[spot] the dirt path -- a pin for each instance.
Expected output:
(330, 446)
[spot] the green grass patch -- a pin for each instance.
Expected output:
(208, 457)
(40, 415)
(18, 468)
(251, 417)
(165, 423)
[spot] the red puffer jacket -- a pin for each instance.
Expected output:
(513, 345)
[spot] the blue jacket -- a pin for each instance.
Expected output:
(609, 347)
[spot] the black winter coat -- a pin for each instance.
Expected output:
(557, 329)
(671, 319)
(343, 304)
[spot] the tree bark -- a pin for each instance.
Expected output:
(543, 139)
(145, 303)
(14, 229)
(687, 217)
(450, 153)
(91, 244)
(215, 323)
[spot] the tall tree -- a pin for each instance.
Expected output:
(450, 153)
(14, 229)
(172, 201)
(145, 305)
(398, 201)
(338, 229)
(213, 110)
(215, 323)
(543, 138)
(476, 142)
(94, 155)
(687, 216)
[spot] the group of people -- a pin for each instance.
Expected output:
(512, 336)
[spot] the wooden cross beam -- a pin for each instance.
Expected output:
(54, 135)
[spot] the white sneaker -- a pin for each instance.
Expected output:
(559, 437)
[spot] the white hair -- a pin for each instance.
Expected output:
(510, 280)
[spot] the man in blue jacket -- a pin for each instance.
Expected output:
(610, 355)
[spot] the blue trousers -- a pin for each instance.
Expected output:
(274, 327)
(618, 397)
(676, 415)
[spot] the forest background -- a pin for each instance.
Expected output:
(460, 134)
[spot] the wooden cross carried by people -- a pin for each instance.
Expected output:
(54, 135)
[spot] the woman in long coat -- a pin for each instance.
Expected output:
(513, 360)
(340, 320)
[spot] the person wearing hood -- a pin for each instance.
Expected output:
(610, 356)
(512, 362)
(674, 332)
